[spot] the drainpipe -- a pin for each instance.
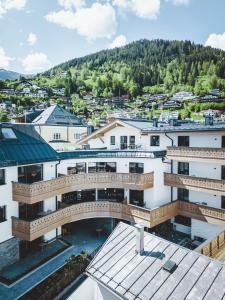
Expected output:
(171, 167)
(56, 197)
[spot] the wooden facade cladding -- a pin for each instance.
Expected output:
(199, 184)
(39, 191)
(32, 230)
(196, 154)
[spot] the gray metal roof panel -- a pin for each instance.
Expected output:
(142, 277)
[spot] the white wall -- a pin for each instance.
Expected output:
(205, 230)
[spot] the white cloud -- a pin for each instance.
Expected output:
(36, 62)
(216, 41)
(179, 2)
(97, 21)
(32, 39)
(148, 9)
(6, 5)
(119, 41)
(4, 59)
(70, 4)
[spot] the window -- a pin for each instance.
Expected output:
(183, 220)
(123, 142)
(136, 168)
(137, 198)
(132, 142)
(2, 213)
(114, 195)
(183, 168)
(2, 176)
(112, 140)
(155, 140)
(223, 142)
(102, 167)
(77, 169)
(223, 172)
(183, 141)
(57, 136)
(30, 174)
(77, 136)
(8, 133)
(223, 202)
(183, 194)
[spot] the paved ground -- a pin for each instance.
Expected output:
(84, 237)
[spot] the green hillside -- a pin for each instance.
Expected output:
(143, 66)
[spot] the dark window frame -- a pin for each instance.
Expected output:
(112, 140)
(183, 168)
(3, 216)
(135, 167)
(155, 141)
(183, 141)
(2, 177)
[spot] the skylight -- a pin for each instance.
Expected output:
(8, 133)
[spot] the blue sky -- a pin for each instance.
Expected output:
(38, 34)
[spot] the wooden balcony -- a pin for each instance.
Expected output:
(200, 154)
(200, 184)
(38, 191)
(32, 230)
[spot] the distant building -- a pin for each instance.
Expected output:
(60, 128)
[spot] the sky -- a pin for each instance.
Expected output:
(38, 34)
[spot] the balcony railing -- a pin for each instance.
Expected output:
(200, 184)
(32, 230)
(38, 191)
(196, 154)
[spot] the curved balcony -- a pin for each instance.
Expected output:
(200, 184)
(38, 191)
(196, 154)
(31, 230)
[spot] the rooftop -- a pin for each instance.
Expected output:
(56, 115)
(22, 145)
(164, 271)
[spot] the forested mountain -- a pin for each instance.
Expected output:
(145, 66)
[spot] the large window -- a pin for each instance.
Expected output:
(30, 211)
(2, 176)
(183, 168)
(223, 141)
(77, 169)
(137, 198)
(79, 196)
(30, 174)
(132, 142)
(223, 202)
(183, 194)
(123, 142)
(114, 195)
(112, 140)
(183, 141)
(155, 140)
(2, 213)
(136, 168)
(183, 220)
(56, 136)
(223, 172)
(101, 167)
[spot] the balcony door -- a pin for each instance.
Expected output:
(123, 142)
(183, 141)
(183, 168)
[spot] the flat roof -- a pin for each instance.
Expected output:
(133, 276)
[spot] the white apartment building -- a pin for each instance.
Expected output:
(136, 171)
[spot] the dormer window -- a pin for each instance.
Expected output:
(8, 133)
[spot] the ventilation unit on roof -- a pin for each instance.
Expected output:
(170, 266)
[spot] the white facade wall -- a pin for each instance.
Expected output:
(204, 230)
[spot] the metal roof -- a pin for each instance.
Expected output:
(133, 276)
(56, 115)
(27, 148)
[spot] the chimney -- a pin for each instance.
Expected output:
(139, 238)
